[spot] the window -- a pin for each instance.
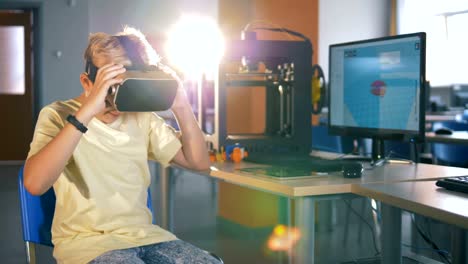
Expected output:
(447, 41)
(12, 70)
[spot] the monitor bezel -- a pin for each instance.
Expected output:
(378, 133)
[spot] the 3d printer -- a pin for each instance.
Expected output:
(263, 99)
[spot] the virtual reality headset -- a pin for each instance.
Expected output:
(146, 90)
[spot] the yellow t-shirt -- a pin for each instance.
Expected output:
(102, 193)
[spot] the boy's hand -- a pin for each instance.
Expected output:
(180, 100)
(105, 78)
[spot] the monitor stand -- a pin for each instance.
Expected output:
(378, 157)
(378, 151)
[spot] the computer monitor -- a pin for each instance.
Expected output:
(460, 96)
(376, 89)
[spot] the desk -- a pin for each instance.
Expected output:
(457, 137)
(333, 183)
(449, 116)
(423, 198)
(306, 192)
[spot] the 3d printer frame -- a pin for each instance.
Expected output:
(287, 82)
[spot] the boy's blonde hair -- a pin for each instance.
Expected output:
(104, 48)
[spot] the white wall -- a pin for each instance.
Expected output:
(66, 28)
(344, 21)
(150, 16)
(62, 28)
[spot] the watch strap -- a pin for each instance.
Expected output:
(72, 120)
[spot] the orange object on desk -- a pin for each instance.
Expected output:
(236, 155)
(212, 156)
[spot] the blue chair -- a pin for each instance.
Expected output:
(37, 213)
(450, 154)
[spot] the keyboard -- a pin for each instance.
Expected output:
(302, 162)
(458, 184)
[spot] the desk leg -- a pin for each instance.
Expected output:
(326, 218)
(459, 245)
(164, 190)
(305, 222)
(289, 223)
(391, 234)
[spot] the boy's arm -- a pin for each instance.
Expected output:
(43, 168)
(194, 153)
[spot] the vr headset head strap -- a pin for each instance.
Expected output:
(91, 69)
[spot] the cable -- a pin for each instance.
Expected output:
(428, 228)
(426, 248)
(387, 159)
(352, 156)
(391, 153)
(427, 221)
(276, 28)
(429, 241)
(290, 32)
(377, 252)
(261, 21)
(267, 22)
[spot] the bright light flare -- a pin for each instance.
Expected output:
(374, 204)
(283, 238)
(195, 45)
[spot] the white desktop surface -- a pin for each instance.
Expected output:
(424, 198)
(333, 183)
(457, 137)
(399, 185)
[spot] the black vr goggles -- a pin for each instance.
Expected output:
(144, 88)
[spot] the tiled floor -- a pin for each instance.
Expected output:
(196, 220)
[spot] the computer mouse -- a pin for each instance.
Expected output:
(443, 131)
(352, 170)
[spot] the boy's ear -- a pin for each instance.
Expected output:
(86, 83)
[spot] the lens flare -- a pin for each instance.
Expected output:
(195, 46)
(283, 238)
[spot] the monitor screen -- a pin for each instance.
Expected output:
(376, 87)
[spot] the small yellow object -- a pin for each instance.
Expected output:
(279, 230)
(219, 157)
(315, 89)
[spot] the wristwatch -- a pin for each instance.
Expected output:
(72, 120)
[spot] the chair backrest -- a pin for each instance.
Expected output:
(37, 213)
(450, 154)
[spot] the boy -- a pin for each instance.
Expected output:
(95, 157)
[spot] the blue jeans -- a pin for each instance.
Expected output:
(177, 252)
